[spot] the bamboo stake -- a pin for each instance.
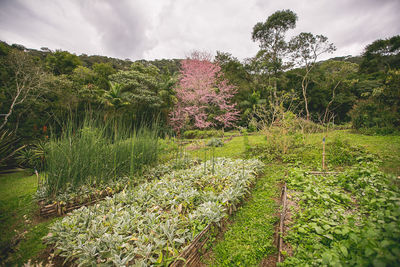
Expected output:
(323, 153)
(281, 224)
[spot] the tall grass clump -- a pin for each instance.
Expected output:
(96, 153)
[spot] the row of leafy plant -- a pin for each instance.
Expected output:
(79, 194)
(352, 219)
(95, 154)
(151, 223)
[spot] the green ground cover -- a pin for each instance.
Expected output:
(352, 219)
(250, 237)
(237, 248)
(17, 189)
(18, 219)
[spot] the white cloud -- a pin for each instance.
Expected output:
(173, 28)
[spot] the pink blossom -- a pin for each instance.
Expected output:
(202, 90)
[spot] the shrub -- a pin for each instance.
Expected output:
(279, 144)
(379, 131)
(8, 147)
(32, 157)
(368, 114)
(215, 142)
(202, 134)
(340, 152)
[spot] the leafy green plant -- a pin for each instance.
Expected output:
(8, 147)
(149, 224)
(345, 220)
(279, 143)
(32, 157)
(340, 152)
(215, 142)
(94, 154)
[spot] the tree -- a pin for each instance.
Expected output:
(270, 61)
(237, 74)
(103, 71)
(25, 79)
(334, 74)
(271, 37)
(62, 62)
(115, 100)
(60, 97)
(203, 95)
(381, 55)
(139, 86)
(306, 48)
(382, 107)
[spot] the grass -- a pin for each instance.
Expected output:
(18, 218)
(387, 148)
(240, 244)
(91, 155)
(233, 149)
(250, 237)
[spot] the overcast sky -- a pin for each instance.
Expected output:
(155, 29)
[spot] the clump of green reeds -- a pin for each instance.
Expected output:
(96, 153)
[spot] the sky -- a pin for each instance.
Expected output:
(156, 29)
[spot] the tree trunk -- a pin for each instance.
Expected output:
(304, 85)
(330, 102)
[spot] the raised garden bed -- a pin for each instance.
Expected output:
(68, 202)
(59, 208)
(346, 219)
(152, 223)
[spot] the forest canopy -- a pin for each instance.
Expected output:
(40, 89)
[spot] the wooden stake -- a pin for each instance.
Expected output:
(323, 153)
(39, 182)
(281, 223)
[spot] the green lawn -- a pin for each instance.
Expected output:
(19, 220)
(387, 148)
(250, 237)
(232, 149)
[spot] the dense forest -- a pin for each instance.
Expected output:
(42, 89)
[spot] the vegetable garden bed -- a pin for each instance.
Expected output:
(348, 219)
(154, 222)
(89, 195)
(59, 208)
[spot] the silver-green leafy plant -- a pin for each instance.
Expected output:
(151, 223)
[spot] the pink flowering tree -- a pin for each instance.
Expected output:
(204, 96)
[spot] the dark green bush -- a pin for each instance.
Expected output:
(379, 131)
(202, 134)
(368, 114)
(32, 157)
